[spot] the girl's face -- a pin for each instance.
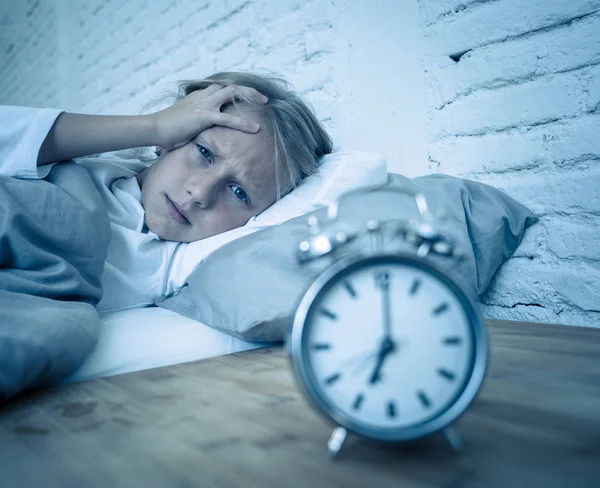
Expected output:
(213, 184)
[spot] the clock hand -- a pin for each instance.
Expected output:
(359, 360)
(387, 347)
(367, 359)
(375, 376)
(359, 363)
(383, 282)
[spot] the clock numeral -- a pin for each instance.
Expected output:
(382, 279)
(452, 341)
(333, 378)
(321, 347)
(391, 409)
(444, 373)
(328, 313)
(440, 309)
(424, 399)
(350, 289)
(415, 287)
(358, 401)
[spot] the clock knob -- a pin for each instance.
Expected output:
(426, 236)
(323, 240)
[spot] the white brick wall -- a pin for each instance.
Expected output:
(113, 56)
(28, 46)
(513, 100)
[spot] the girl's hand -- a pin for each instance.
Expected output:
(178, 124)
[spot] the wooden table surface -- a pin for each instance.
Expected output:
(240, 421)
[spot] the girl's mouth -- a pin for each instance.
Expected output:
(176, 213)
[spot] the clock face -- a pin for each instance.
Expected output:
(388, 344)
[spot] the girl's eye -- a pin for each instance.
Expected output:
(204, 152)
(239, 193)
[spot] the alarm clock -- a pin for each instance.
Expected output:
(386, 345)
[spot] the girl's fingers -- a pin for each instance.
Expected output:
(209, 90)
(178, 124)
(252, 93)
(233, 122)
(234, 92)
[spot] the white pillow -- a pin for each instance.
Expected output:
(151, 337)
(339, 173)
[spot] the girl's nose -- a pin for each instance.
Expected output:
(200, 191)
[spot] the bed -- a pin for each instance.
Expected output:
(151, 337)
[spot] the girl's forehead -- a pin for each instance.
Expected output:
(249, 157)
(232, 142)
(226, 142)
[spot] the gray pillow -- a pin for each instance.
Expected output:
(250, 287)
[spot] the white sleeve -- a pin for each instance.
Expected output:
(22, 132)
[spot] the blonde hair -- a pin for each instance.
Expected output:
(299, 139)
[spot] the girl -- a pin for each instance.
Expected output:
(230, 146)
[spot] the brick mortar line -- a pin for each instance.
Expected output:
(546, 300)
(547, 256)
(537, 305)
(172, 4)
(518, 81)
(586, 215)
(531, 168)
(532, 32)
(593, 111)
(569, 260)
(563, 301)
(227, 16)
(449, 13)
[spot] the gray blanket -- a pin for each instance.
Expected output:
(54, 236)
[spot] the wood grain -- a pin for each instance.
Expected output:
(240, 421)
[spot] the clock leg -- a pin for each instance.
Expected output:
(338, 436)
(452, 438)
